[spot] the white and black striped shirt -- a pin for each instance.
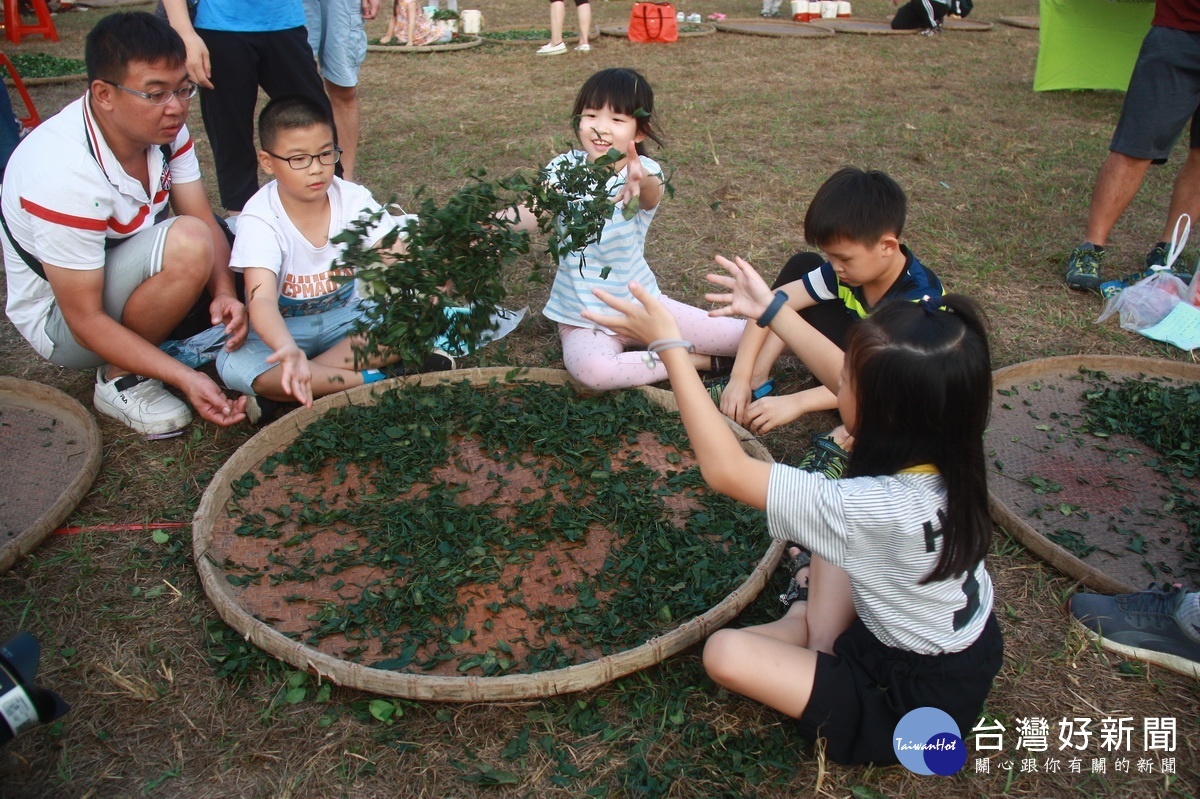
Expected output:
(885, 533)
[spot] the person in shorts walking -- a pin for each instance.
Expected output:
(1163, 95)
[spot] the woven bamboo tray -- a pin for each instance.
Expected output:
(1030, 23)
(461, 43)
(229, 603)
(966, 25)
(1035, 409)
(51, 445)
(752, 26)
(866, 27)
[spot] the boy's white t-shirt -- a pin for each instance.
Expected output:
(267, 238)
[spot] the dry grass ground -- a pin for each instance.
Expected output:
(168, 703)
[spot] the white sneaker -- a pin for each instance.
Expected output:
(583, 48)
(552, 49)
(141, 403)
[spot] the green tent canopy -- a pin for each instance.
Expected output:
(1090, 44)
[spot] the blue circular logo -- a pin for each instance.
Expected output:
(927, 741)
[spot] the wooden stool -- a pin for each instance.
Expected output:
(33, 120)
(15, 30)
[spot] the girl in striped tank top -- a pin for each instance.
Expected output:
(615, 109)
(898, 613)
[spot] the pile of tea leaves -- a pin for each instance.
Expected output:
(43, 65)
(525, 35)
(1164, 417)
(404, 523)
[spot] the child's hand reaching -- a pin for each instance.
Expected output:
(649, 321)
(630, 193)
(296, 376)
(750, 295)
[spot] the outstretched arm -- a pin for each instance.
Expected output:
(725, 465)
(262, 297)
(749, 296)
(646, 189)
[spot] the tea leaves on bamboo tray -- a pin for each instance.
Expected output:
(459, 529)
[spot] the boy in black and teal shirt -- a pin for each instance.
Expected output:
(856, 218)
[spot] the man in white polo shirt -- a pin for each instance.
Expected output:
(98, 275)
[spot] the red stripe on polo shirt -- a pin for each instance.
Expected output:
(131, 225)
(187, 146)
(59, 218)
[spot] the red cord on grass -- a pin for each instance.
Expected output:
(119, 528)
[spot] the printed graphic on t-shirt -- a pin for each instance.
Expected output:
(313, 305)
(307, 287)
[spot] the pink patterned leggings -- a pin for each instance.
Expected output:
(599, 361)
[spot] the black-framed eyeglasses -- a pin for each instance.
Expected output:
(163, 96)
(304, 160)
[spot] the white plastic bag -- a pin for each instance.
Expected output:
(1151, 299)
(1146, 303)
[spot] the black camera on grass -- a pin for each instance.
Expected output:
(23, 703)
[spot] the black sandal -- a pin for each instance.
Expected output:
(796, 592)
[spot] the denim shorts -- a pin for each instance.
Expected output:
(1164, 93)
(126, 267)
(313, 334)
(336, 36)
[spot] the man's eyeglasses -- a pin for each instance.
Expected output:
(162, 97)
(304, 160)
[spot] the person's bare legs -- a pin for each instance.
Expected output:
(765, 668)
(776, 663)
(410, 21)
(156, 306)
(391, 28)
(332, 371)
(1185, 196)
(558, 13)
(344, 100)
(1118, 182)
(585, 22)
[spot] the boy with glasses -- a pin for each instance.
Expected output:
(302, 318)
(98, 274)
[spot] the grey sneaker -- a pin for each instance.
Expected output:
(1083, 267)
(1141, 626)
(142, 404)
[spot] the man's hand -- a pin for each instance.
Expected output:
(230, 312)
(210, 402)
(370, 8)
